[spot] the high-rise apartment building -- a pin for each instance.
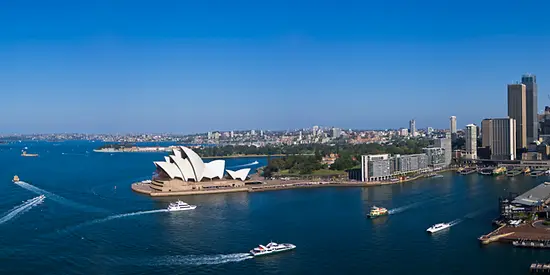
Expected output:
(471, 141)
(453, 124)
(531, 95)
(500, 135)
(517, 109)
(412, 127)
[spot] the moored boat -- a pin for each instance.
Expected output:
(377, 212)
(499, 171)
(486, 171)
(271, 248)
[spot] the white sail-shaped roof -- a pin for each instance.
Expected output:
(239, 174)
(170, 169)
(185, 167)
(196, 162)
(176, 153)
(214, 169)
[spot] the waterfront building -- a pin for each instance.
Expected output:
(517, 109)
(383, 166)
(412, 127)
(436, 156)
(184, 170)
(499, 134)
(531, 95)
(410, 163)
(375, 167)
(447, 146)
(471, 141)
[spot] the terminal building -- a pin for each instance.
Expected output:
(528, 204)
(184, 170)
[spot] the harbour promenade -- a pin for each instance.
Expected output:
(257, 185)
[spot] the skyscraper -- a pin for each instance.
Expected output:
(500, 135)
(517, 109)
(531, 95)
(412, 128)
(453, 125)
(471, 141)
(486, 132)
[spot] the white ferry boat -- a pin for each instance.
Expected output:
(438, 227)
(271, 248)
(180, 206)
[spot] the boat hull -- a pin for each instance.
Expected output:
(255, 254)
(376, 216)
(432, 231)
(182, 209)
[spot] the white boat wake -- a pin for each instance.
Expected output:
(244, 165)
(202, 259)
(73, 228)
(57, 198)
(455, 222)
(403, 208)
(22, 208)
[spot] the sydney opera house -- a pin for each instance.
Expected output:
(184, 170)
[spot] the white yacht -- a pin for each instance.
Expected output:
(180, 206)
(271, 248)
(438, 227)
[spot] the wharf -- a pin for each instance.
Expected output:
(528, 232)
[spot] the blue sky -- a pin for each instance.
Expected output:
(193, 66)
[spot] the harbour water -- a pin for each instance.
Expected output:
(92, 223)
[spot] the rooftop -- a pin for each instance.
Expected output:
(535, 196)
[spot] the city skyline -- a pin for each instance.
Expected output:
(87, 68)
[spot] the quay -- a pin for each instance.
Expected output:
(524, 219)
(257, 185)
